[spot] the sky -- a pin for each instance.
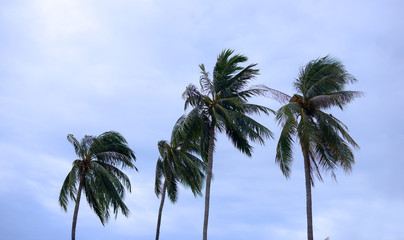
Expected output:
(85, 67)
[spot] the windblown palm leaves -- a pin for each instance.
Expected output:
(324, 140)
(96, 173)
(222, 105)
(177, 164)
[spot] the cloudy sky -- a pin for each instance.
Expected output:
(87, 66)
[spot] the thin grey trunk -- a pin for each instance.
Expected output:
(76, 208)
(208, 180)
(163, 195)
(308, 195)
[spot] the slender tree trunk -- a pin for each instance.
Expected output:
(163, 195)
(76, 208)
(208, 180)
(308, 195)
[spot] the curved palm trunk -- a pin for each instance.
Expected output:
(308, 195)
(163, 195)
(208, 180)
(76, 208)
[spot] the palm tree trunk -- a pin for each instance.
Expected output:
(163, 195)
(308, 195)
(208, 180)
(76, 208)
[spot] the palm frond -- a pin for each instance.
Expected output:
(185, 132)
(192, 96)
(239, 82)
(238, 137)
(255, 131)
(95, 200)
(256, 90)
(85, 144)
(276, 95)
(339, 99)
(172, 188)
(159, 177)
(329, 121)
(205, 82)
(76, 145)
(111, 187)
(69, 189)
(334, 149)
(290, 110)
(118, 174)
(284, 153)
(256, 109)
(306, 130)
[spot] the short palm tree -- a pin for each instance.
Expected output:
(324, 140)
(222, 105)
(177, 164)
(96, 173)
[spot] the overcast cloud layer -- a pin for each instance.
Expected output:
(86, 67)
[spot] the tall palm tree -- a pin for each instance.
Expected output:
(177, 164)
(324, 140)
(96, 173)
(222, 105)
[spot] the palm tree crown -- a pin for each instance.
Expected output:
(178, 163)
(324, 139)
(96, 173)
(222, 104)
(320, 86)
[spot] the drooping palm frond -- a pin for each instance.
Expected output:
(69, 189)
(284, 153)
(96, 200)
(329, 121)
(108, 185)
(252, 129)
(117, 173)
(158, 177)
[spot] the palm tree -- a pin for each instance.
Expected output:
(177, 163)
(324, 139)
(95, 171)
(221, 105)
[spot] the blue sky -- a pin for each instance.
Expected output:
(86, 67)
